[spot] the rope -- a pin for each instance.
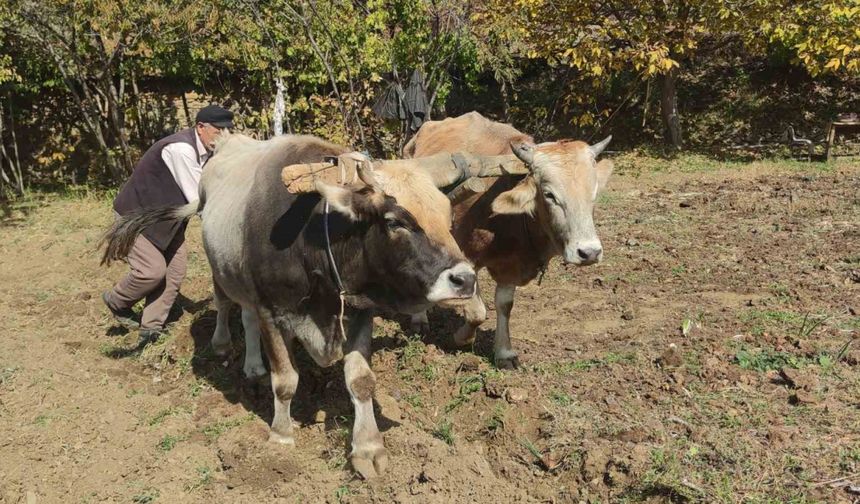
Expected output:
(340, 288)
(341, 292)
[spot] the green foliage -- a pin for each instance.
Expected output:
(169, 442)
(586, 364)
(496, 421)
(561, 398)
(163, 414)
(214, 430)
(767, 359)
(444, 431)
(91, 84)
(331, 56)
(147, 496)
(468, 386)
(203, 478)
(611, 48)
(341, 492)
(824, 35)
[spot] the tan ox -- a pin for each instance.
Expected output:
(521, 222)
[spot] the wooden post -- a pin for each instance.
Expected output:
(831, 136)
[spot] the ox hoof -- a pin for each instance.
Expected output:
(465, 336)
(282, 439)
(370, 464)
(254, 372)
(508, 362)
(419, 324)
(420, 327)
(221, 349)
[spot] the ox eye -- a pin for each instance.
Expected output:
(394, 224)
(550, 197)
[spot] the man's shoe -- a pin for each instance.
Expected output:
(125, 317)
(147, 336)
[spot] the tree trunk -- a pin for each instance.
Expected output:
(647, 99)
(669, 108)
(15, 178)
(187, 112)
(19, 175)
(4, 179)
(140, 111)
(117, 123)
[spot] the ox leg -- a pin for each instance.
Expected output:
(254, 367)
(368, 456)
(419, 323)
(284, 377)
(221, 339)
(506, 357)
(475, 314)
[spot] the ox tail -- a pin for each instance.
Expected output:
(119, 239)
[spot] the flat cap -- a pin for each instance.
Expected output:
(216, 116)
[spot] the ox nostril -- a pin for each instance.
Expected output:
(462, 281)
(457, 280)
(589, 254)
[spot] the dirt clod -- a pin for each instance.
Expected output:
(803, 397)
(516, 395)
(494, 389)
(388, 407)
(469, 364)
(670, 357)
(798, 379)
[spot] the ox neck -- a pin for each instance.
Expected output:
(541, 246)
(340, 279)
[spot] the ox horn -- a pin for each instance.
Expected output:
(497, 166)
(525, 152)
(367, 174)
(597, 148)
(445, 169)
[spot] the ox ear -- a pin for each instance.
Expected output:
(339, 198)
(519, 200)
(604, 170)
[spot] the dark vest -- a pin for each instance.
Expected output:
(152, 185)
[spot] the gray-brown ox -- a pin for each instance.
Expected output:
(390, 242)
(521, 222)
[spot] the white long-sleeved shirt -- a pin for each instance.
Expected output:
(181, 160)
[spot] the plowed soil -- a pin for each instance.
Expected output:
(711, 357)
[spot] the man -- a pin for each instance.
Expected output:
(167, 174)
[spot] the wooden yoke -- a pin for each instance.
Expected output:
(299, 178)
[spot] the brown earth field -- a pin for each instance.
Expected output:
(713, 356)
